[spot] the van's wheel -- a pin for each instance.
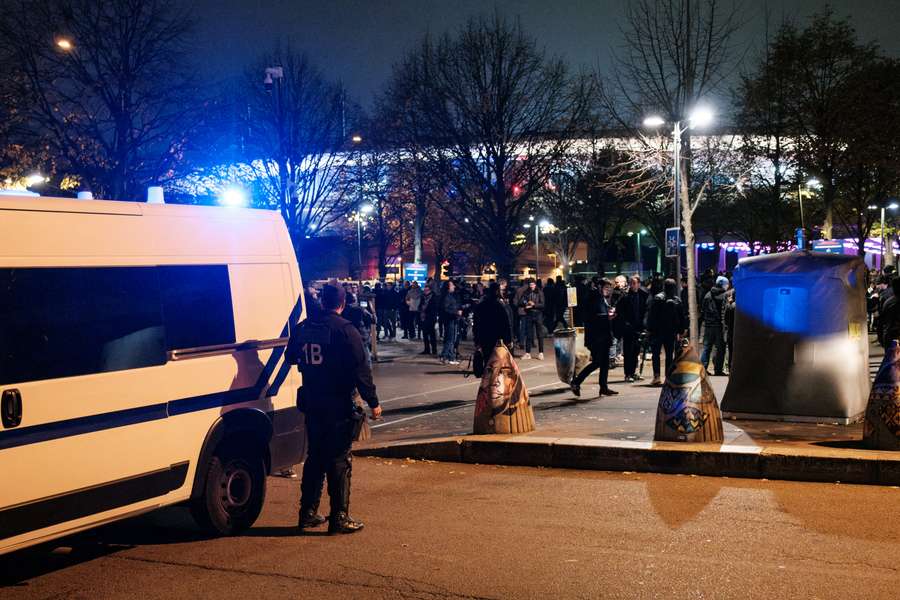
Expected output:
(234, 490)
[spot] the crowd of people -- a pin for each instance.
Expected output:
(625, 318)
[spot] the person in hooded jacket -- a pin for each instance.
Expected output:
(713, 310)
(666, 324)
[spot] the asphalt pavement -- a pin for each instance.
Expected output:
(447, 531)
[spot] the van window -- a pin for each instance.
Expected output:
(61, 322)
(197, 306)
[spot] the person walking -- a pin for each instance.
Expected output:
(890, 315)
(451, 312)
(598, 337)
(712, 310)
(531, 306)
(329, 353)
(428, 316)
(632, 309)
(666, 323)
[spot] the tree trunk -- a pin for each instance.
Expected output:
(889, 250)
(686, 224)
(419, 226)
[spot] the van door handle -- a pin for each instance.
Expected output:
(11, 408)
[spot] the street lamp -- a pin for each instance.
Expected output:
(702, 116)
(639, 258)
(811, 184)
(544, 224)
(891, 206)
(64, 44)
(363, 210)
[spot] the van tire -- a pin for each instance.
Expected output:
(234, 490)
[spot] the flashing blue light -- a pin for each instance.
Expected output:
(233, 196)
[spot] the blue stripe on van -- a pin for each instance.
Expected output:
(11, 438)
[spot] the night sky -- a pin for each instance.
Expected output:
(357, 41)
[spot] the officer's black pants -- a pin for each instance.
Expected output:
(597, 362)
(328, 454)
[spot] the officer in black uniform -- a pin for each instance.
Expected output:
(330, 355)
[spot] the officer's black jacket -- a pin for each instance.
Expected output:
(329, 353)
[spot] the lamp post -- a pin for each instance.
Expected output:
(537, 249)
(701, 117)
(640, 259)
(892, 206)
(363, 210)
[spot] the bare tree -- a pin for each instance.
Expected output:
(295, 128)
(490, 114)
(109, 89)
(676, 55)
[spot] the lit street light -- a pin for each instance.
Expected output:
(544, 224)
(233, 196)
(639, 258)
(811, 184)
(356, 139)
(702, 116)
(65, 44)
(363, 210)
(891, 206)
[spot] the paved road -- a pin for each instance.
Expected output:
(446, 531)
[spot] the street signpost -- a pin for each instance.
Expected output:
(673, 241)
(416, 272)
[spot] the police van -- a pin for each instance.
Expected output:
(142, 363)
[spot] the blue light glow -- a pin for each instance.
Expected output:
(233, 196)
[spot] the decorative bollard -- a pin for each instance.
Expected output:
(502, 405)
(881, 430)
(688, 410)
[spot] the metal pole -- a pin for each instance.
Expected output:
(800, 193)
(640, 259)
(882, 239)
(358, 246)
(676, 134)
(537, 253)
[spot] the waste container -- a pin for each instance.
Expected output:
(801, 352)
(565, 342)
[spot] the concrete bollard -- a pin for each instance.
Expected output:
(502, 405)
(881, 430)
(688, 410)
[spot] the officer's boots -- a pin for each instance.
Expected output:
(310, 518)
(342, 523)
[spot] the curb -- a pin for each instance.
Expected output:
(813, 464)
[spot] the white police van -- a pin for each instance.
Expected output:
(141, 363)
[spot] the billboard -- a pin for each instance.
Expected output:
(416, 272)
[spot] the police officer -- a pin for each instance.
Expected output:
(330, 354)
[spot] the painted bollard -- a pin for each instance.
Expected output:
(881, 429)
(502, 405)
(688, 410)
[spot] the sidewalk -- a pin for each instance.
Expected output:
(616, 434)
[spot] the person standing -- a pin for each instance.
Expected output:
(451, 311)
(632, 309)
(549, 304)
(491, 322)
(561, 305)
(329, 353)
(666, 323)
(404, 310)
(599, 315)
(531, 306)
(713, 309)
(728, 321)
(428, 316)
(412, 301)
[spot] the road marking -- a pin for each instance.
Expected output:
(468, 403)
(452, 387)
